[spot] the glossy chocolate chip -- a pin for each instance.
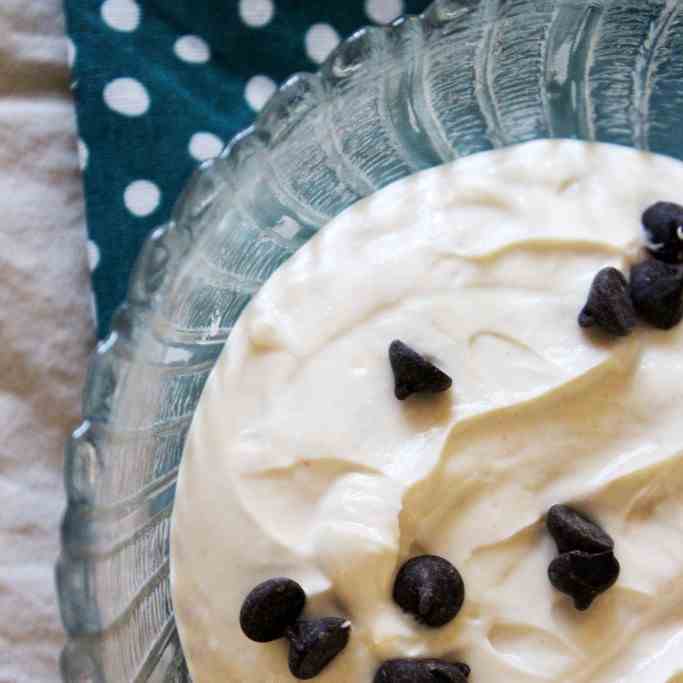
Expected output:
(431, 589)
(609, 305)
(573, 531)
(583, 576)
(421, 671)
(314, 643)
(270, 608)
(413, 374)
(657, 293)
(663, 223)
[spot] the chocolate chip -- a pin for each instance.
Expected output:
(314, 643)
(414, 374)
(657, 293)
(421, 671)
(663, 223)
(270, 608)
(574, 531)
(609, 305)
(430, 588)
(583, 576)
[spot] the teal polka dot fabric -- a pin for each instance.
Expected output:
(161, 85)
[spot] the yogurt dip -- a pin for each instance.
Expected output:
(301, 463)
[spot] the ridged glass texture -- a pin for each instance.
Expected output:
(466, 76)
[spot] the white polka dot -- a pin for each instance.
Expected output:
(83, 154)
(383, 11)
(70, 52)
(320, 40)
(258, 91)
(121, 15)
(205, 146)
(142, 198)
(93, 255)
(256, 13)
(126, 96)
(192, 49)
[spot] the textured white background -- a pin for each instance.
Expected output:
(45, 326)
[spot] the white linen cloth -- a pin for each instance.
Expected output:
(46, 330)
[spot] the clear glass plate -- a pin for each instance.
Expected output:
(466, 76)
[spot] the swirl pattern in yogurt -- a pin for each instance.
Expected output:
(300, 462)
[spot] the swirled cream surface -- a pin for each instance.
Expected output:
(300, 461)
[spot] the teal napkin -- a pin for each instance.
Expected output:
(161, 85)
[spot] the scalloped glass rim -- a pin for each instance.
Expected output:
(465, 76)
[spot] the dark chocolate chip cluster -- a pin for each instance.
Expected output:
(655, 291)
(586, 565)
(428, 587)
(273, 610)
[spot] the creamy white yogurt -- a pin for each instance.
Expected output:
(300, 462)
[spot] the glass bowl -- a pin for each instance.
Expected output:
(466, 76)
